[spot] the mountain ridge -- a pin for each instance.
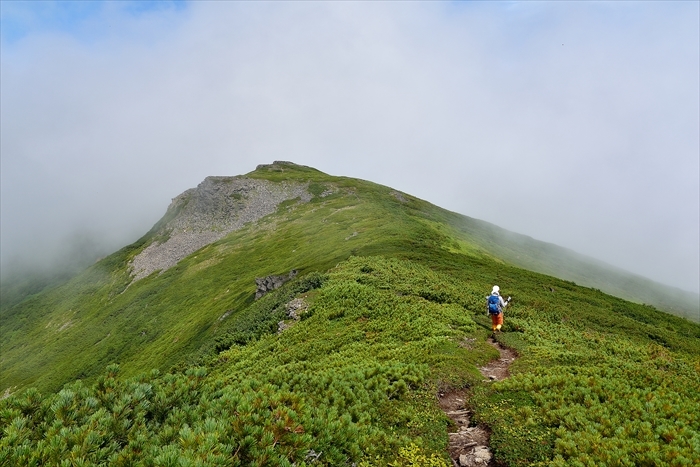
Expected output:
(522, 250)
(345, 362)
(393, 222)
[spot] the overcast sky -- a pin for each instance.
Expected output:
(574, 123)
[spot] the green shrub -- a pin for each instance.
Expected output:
(355, 380)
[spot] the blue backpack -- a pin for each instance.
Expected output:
(494, 305)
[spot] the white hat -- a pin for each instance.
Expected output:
(495, 289)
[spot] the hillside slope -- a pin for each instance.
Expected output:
(388, 309)
(563, 263)
(353, 379)
(136, 306)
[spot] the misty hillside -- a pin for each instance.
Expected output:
(554, 260)
(180, 349)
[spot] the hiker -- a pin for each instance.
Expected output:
(496, 305)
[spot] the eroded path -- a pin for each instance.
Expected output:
(469, 446)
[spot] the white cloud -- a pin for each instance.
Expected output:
(594, 143)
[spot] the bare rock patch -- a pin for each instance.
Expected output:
(270, 283)
(201, 216)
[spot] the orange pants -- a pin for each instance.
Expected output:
(497, 321)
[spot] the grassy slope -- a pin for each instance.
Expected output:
(18, 287)
(560, 262)
(473, 234)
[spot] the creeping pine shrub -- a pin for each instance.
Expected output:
(363, 351)
(169, 420)
(349, 383)
(261, 317)
(592, 398)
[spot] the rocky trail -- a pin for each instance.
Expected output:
(469, 446)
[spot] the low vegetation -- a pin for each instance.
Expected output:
(355, 381)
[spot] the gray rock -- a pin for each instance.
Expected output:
(270, 283)
(482, 454)
(200, 216)
(295, 308)
(399, 196)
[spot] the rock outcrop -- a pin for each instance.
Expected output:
(270, 283)
(294, 310)
(203, 215)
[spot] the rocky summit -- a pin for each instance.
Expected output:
(203, 215)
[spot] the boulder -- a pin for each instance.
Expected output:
(270, 283)
(295, 308)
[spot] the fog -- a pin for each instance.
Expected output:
(574, 123)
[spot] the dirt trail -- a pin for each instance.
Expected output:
(469, 446)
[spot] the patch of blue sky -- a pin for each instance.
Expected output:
(79, 19)
(461, 7)
(147, 6)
